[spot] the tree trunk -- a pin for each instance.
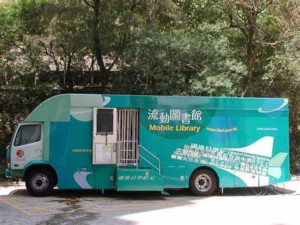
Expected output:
(5, 76)
(5, 71)
(104, 73)
(251, 49)
(69, 75)
(250, 66)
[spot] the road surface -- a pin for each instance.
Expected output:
(266, 206)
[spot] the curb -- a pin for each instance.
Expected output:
(295, 178)
(11, 184)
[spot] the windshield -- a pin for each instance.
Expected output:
(28, 134)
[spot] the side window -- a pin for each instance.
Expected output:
(28, 134)
(105, 121)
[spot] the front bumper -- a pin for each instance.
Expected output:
(8, 173)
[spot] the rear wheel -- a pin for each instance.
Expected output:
(40, 182)
(203, 182)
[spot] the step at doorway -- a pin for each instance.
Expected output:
(139, 179)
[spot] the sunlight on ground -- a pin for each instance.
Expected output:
(264, 210)
(7, 188)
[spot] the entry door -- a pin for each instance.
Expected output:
(27, 145)
(104, 135)
(128, 136)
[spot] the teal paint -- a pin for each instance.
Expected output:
(59, 155)
(46, 136)
(138, 180)
(48, 110)
(32, 163)
(7, 173)
(174, 177)
(80, 149)
(249, 133)
(105, 177)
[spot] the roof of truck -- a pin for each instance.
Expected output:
(58, 108)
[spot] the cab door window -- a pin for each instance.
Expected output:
(28, 134)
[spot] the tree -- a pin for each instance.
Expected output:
(112, 20)
(262, 23)
(282, 79)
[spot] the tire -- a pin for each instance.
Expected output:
(203, 183)
(40, 182)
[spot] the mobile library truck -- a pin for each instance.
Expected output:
(151, 143)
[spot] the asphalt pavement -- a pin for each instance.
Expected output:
(274, 205)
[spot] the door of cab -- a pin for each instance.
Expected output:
(27, 145)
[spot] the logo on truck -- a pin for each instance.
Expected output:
(174, 120)
(20, 153)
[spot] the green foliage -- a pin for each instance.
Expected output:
(166, 47)
(282, 79)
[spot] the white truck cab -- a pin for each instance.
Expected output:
(26, 145)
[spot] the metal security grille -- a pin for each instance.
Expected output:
(127, 136)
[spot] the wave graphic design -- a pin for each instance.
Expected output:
(86, 114)
(80, 178)
(105, 102)
(82, 114)
(261, 110)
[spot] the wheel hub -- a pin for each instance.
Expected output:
(203, 182)
(39, 182)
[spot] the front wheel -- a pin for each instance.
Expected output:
(203, 182)
(40, 182)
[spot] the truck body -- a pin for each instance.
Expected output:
(151, 143)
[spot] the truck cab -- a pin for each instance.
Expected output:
(26, 146)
